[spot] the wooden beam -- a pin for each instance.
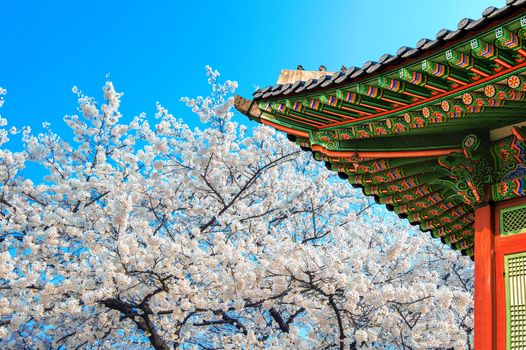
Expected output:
(485, 311)
(382, 154)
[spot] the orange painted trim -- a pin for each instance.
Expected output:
(439, 96)
(413, 95)
(479, 72)
(285, 129)
(357, 111)
(373, 107)
(484, 279)
(456, 81)
(502, 63)
(434, 88)
(302, 120)
(317, 116)
(392, 101)
(386, 154)
(338, 114)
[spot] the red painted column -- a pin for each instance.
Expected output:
(485, 311)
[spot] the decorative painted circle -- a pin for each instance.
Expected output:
(467, 98)
(426, 112)
(445, 106)
(332, 144)
(489, 90)
(389, 123)
(471, 142)
(514, 82)
(407, 118)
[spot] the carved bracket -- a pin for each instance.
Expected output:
(468, 171)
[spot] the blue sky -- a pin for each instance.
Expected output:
(157, 50)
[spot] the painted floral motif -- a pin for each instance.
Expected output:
(514, 82)
(426, 112)
(489, 90)
(445, 106)
(467, 98)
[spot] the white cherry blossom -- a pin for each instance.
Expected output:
(149, 234)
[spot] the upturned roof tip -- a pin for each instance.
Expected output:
(246, 107)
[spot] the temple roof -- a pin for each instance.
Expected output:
(431, 132)
(445, 38)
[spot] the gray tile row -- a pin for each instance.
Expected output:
(444, 35)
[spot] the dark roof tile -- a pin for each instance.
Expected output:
(288, 91)
(391, 60)
(442, 33)
(274, 90)
(321, 80)
(374, 68)
(411, 53)
(422, 45)
(431, 44)
(422, 42)
(384, 58)
(267, 94)
(257, 94)
(403, 50)
(276, 87)
(476, 24)
(488, 11)
(307, 84)
(294, 87)
(463, 23)
(347, 74)
(453, 35)
(282, 89)
(333, 78)
(357, 73)
(315, 83)
(502, 10)
(368, 64)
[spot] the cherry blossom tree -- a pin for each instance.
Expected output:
(147, 233)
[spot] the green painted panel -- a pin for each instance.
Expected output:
(513, 220)
(515, 282)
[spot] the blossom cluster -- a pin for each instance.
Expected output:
(147, 233)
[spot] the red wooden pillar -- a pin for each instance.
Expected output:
(485, 310)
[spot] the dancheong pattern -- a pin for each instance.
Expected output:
(430, 133)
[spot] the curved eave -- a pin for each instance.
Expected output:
(405, 56)
(468, 81)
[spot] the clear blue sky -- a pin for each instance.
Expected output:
(157, 50)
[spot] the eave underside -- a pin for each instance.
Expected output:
(418, 137)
